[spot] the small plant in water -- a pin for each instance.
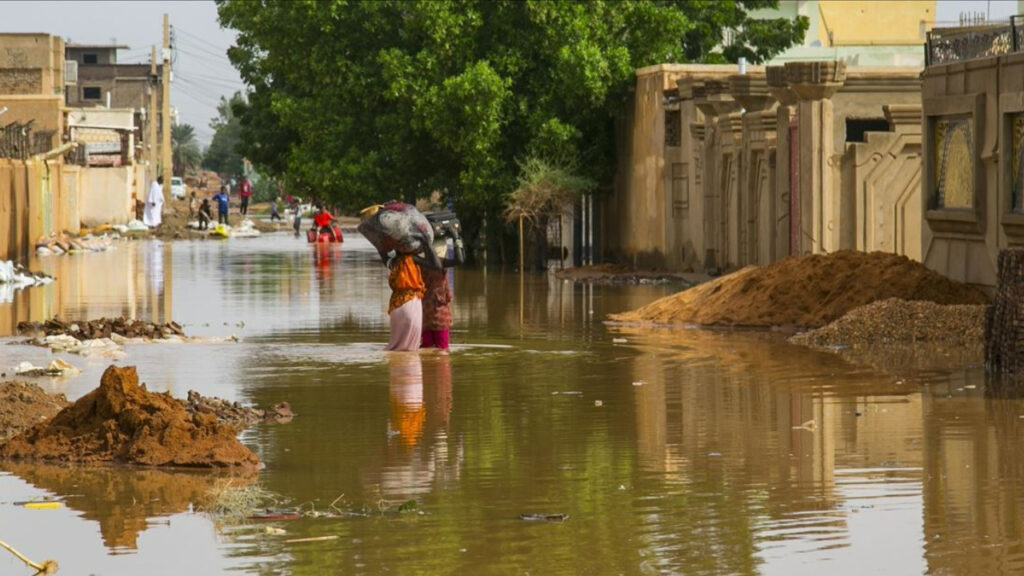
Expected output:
(227, 502)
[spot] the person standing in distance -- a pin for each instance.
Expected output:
(222, 205)
(152, 214)
(244, 192)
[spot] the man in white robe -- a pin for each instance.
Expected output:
(153, 214)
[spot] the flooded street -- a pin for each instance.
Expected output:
(669, 451)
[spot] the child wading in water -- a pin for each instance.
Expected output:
(437, 297)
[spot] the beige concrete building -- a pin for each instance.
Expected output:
(973, 106)
(42, 190)
(719, 170)
(99, 74)
(875, 33)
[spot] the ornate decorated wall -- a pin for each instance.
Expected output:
(725, 170)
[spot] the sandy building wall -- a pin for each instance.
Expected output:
(727, 171)
(972, 190)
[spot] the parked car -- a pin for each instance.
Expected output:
(178, 189)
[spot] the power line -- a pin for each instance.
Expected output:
(210, 84)
(200, 39)
(201, 52)
(207, 89)
(208, 62)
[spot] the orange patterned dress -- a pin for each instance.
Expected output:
(406, 282)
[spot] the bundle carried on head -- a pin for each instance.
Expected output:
(398, 227)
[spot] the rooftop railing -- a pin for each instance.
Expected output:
(947, 45)
(18, 141)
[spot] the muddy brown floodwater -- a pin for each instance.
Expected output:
(547, 442)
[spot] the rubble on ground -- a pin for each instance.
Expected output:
(62, 244)
(895, 321)
(122, 422)
(804, 291)
(57, 367)
(234, 414)
(23, 405)
(101, 328)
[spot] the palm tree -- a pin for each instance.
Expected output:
(185, 154)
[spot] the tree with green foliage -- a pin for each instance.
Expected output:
(223, 156)
(364, 101)
(185, 153)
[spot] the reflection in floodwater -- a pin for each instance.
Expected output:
(123, 501)
(671, 451)
(419, 399)
(974, 480)
(131, 280)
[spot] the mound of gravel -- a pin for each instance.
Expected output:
(804, 291)
(895, 321)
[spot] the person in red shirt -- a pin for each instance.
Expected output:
(322, 220)
(244, 192)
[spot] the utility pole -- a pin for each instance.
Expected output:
(166, 108)
(151, 152)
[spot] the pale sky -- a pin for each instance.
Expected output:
(202, 71)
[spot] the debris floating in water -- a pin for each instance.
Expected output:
(545, 517)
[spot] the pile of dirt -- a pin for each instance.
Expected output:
(23, 405)
(100, 328)
(804, 291)
(122, 422)
(896, 321)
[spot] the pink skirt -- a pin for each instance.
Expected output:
(406, 326)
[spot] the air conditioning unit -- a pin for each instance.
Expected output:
(70, 72)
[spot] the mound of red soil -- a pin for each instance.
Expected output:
(804, 291)
(23, 405)
(123, 422)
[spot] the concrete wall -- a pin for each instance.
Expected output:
(848, 23)
(641, 223)
(755, 172)
(127, 83)
(106, 194)
(883, 174)
(71, 218)
(33, 205)
(103, 54)
(876, 33)
(31, 64)
(14, 190)
(973, 130)
(40, 199)
(45, 112)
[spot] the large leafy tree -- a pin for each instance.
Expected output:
(222, 155)
(361, 101)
